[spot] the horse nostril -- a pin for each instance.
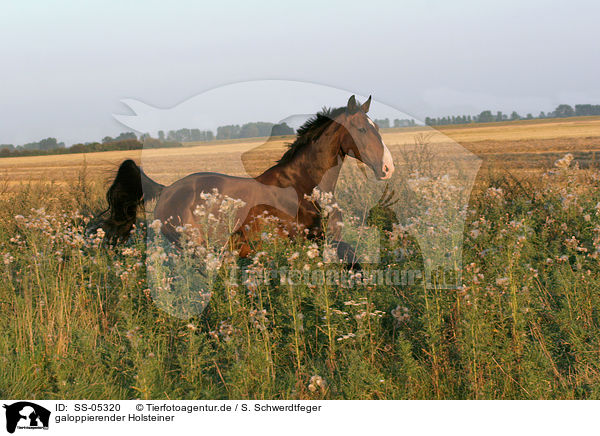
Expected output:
(385, 169)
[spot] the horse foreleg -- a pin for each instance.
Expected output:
(347, 255)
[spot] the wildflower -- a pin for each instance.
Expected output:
(127, 251)
(346, 336)
(360, 315)
(502, 281)
(213, 263)
(316, 382)
(564, 162)
(495, 193)
(401, 314)
(225, 331)
(258, 318)
(313, 251)
(573, 244)
(8, 258)
(130, 334)
(330, 254)
(156, 225)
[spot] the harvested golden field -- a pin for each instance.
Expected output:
(519, 147)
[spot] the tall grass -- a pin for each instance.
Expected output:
(78, 319)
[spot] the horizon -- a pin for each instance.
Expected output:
(419, 123)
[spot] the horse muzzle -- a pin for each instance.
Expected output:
(387, 166)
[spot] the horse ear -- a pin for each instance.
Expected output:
(366, 105)
(352, 105)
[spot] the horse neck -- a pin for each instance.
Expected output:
(316, 164)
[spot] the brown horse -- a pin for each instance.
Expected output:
(313, 160)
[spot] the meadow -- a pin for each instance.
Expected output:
(79, 320)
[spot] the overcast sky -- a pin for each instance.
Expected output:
(65, 65)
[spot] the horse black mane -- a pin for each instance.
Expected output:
(311, 130)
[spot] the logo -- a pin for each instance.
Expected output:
(26, 415)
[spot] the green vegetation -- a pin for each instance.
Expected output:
(121, 144)
(253, 130)
(78, 320)
(175, 138)
(385, 123)
(561, 111)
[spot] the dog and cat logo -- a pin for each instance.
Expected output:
(26, 415)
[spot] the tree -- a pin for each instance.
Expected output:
(582, 110)
(44, 144)
(281, 129)
(485, 117)
(383, 124)
(125, 135)
(404, 122)
(172, 135)
(196, 135)
(563, 111)
(228, 132)
(249, 130)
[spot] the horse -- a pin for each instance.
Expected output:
(283, 191)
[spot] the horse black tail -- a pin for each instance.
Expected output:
(128, 191)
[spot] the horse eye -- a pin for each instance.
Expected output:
(362, 130)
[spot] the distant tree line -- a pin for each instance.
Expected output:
(122, 137)
(47, 144)
(145, 141)
(582, 110)
(186, 135)
(253, 130)
(175, 138)
(484, 117)
(385, 123)
(130, 141)
(125, 141)
(561, 111)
